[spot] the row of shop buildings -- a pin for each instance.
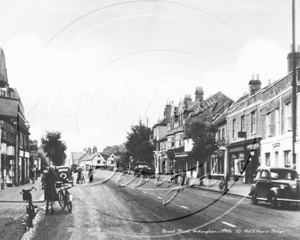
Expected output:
(18, 153)
(256, 130)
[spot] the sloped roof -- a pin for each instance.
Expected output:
(76, 155)
(213, 112)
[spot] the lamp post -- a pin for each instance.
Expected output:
(294, 88)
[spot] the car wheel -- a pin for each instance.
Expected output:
(254, 199)
(274, 202)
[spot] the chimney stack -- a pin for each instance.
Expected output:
(290, 58)
(254, 85)
(199, 94)
(94, 149)
(187, 98)
(167, 112)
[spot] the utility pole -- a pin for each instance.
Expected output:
(294, 87)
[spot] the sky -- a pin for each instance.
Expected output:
(91, 69)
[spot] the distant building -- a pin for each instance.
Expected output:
(75, 157)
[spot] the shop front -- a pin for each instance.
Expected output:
(244, 159)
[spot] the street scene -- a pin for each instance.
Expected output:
(149, 119)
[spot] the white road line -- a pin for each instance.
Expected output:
(143, 192)
(184, 207)
(228, 224)
(159, 197)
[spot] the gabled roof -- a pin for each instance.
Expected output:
(76, 155)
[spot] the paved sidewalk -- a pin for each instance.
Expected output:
(12, 194)
(12, 210)
(237, 188)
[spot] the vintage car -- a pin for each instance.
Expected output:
(65, 172)
(144, 169)
(276, 186)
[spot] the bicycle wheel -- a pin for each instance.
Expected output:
(61, 199)
(69, 201)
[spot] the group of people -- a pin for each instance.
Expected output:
(90, 174)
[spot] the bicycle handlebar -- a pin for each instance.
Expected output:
(28, 190)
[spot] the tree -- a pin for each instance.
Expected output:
(116, 149)
(138, 145)
(54, 147)
(203, 136)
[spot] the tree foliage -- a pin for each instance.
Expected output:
(138, 145)
(54, 147)
(115, 149)
(203, 135)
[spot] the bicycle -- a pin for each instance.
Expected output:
(64, 196)
(31, 210)
(223, 186)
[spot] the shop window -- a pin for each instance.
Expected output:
(2, 93)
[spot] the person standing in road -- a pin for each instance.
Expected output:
(33, 174)
(50, 193)
(91, 172)
(79, 175)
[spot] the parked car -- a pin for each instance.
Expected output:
(276, 186)
(144, 168)
(64, 172)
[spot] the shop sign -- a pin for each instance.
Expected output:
(236, 149)
(206, 104)
(253, 146)
(220, 153)
(21, 153)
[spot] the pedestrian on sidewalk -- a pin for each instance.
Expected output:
(50, 193)
(91, 172)
(33, 174)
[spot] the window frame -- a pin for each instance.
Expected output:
(253, 122)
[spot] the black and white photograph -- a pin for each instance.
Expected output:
(149, 119)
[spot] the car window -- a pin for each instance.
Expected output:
(274, 175)
(283, 174)
(258, 174)
(265, 174)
